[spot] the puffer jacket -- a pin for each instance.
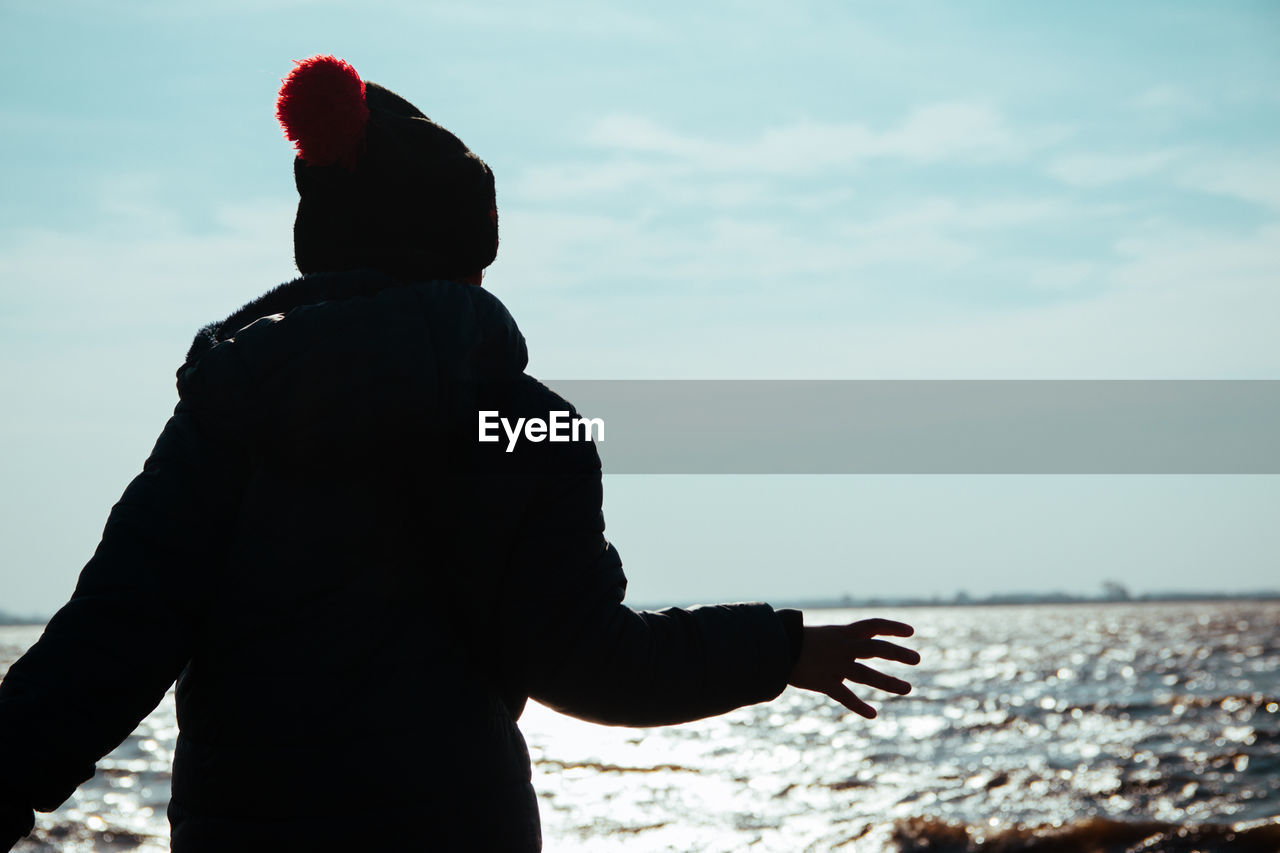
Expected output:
(355, 596)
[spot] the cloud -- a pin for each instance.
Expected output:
(900, 295)
(949, 131)
(142, 266)
(1095, 170)
(1222, 263)
(1171, 101)
(1252, 179)
(558, 182)
(960, 214)
(1230, 172)
(910, 242)
(587, 20)
(641, 151)
(1063, 277)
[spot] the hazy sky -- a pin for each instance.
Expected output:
(693, 190)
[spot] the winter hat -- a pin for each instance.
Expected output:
(380, 185)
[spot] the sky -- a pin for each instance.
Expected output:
(810, 190)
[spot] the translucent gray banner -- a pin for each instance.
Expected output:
(932, 427)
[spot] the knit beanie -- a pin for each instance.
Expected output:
(380, 185)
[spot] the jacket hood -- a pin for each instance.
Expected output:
(350, 364)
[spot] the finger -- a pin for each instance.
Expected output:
(845, 697)
(864, 674)
(884, 650)
(872, 627)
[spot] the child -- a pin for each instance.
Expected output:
(355, 596)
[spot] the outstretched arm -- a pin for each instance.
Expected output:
(579, 649)
(560, 633)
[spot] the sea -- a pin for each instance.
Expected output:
(1100, 727)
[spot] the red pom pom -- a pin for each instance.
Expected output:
(322, 109)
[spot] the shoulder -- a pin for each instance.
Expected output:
(359, 321)
(371, 310)
(352, 358)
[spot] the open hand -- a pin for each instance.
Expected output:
(829, 656)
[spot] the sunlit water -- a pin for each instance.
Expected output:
(1118, 727)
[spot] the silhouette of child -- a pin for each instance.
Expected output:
(355, 596)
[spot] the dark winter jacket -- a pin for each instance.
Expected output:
(355, 596)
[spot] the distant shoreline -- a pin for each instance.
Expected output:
(8, 620)
(1004, 600)
(848, 603)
